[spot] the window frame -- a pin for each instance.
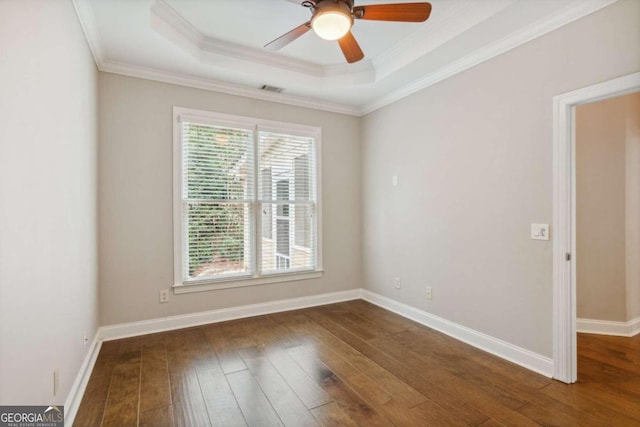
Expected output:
(180, 236)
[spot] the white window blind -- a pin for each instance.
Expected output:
(288, 157)
(217, 188)
(247, 200)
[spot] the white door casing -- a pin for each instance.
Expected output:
(564, 217)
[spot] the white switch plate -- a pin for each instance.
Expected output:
(394, 180)
(540, 231)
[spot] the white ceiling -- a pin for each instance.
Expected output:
(218, 45)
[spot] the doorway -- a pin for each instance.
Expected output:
(564, 217)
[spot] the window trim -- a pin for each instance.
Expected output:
(179, 237)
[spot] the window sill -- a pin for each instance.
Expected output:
(212, 285)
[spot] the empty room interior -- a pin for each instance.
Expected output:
(323, 212)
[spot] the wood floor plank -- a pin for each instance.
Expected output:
(254, 404)
(611, 354)
(463, 379)
(361, 384)
(479, 392)
(591, 370)
(353, 323)
(349, 401)
(429, 413)
(331, 415)
(460, 374)
(221, 404)
(283, 398)
(327, 342)
(416, 378)
(155, 391)
(375, 396)
(614, 398)
(188, 404)
(633, 341)
(364, 312)
(491, 423)
(553, 416)
(228, 356)
(610, 341)
(382, 318)
(124, 392)
(453, 351)
(350, 363)
(271, 333)
(91, 410)
(595, 407)
(307, 390)
(157, 417)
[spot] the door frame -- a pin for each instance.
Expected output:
(564, 217)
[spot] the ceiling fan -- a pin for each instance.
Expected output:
(333, 19)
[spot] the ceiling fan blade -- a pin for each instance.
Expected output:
(287, 38)
(404, 12)
(350, 48)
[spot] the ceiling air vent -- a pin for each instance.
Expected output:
(274, 89)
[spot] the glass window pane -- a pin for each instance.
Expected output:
(218, 240)
(216, 162)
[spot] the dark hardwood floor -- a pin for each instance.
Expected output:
(348, 364)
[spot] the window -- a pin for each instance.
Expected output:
(246, 200)
(267, 192)
(302, 212)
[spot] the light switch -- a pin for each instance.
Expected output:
(394, 180)
(540, 231)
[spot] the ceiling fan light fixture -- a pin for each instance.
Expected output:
(332, 22)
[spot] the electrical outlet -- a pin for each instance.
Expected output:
(56, 381)
(429, 293)
(396, 283)
(164, 296)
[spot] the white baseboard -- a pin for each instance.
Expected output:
(107, 333)
(608, 327)
(76, 393)
(202, 318)
(518, 355)
(525, 358)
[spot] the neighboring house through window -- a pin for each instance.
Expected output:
(246, 200)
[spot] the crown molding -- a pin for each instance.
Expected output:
(224, 87)
(174, 27)
(576, 10)
(573, 12)
(87, 20)
(457, 18)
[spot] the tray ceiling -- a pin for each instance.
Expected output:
(218, 45)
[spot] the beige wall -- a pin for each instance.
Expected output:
(48, 249)
(135, 199)
(473, 155)
(600, 209)
(633, 207)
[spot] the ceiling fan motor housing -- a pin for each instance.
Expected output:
(332, 18)
(314, 4)
(326, 6)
